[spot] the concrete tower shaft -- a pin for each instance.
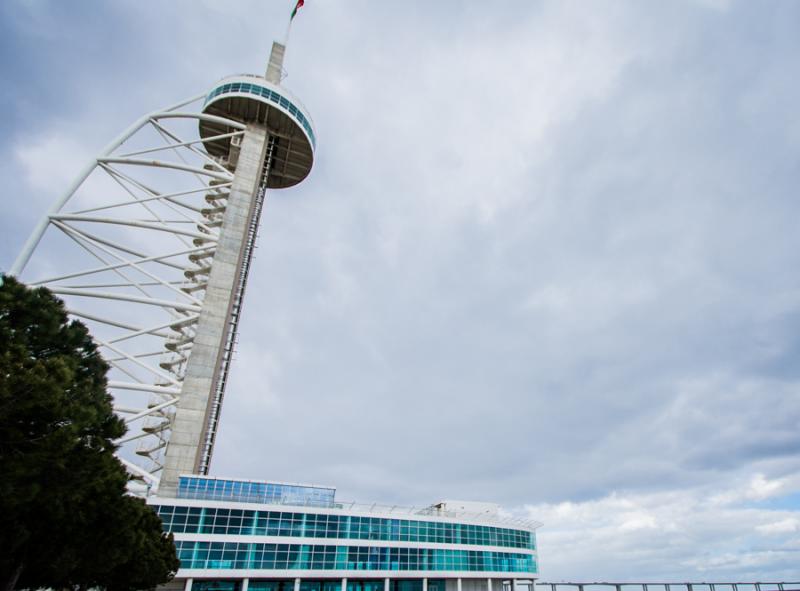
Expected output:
(275, 151)
(194, 428)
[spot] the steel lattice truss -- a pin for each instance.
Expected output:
(129, 247)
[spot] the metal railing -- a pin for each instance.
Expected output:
(432, 511)
(386, 511)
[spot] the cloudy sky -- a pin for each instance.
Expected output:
(548, 255)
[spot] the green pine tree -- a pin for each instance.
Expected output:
(65, 520)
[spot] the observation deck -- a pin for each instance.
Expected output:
(253, 99)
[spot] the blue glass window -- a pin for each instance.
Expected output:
(234, 555)
(269, 94)
(225, 521)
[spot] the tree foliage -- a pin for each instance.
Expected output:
(65, 520)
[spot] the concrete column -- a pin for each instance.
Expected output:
(386, 584)
(513, 584)
(425, 584)
(191, 424)
(489, 584)
(344, 584)
(458, 583)
(188, 586)
(275, 65)
(245, 584)
(297, 584)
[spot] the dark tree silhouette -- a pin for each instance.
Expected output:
(65, 520)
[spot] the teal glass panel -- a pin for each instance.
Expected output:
(257, 492)
(233, 555)
(312, 525)
(279, 100)
(216, 585)
(412, 585)
(269, 585)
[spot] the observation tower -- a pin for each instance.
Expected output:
(151, 248)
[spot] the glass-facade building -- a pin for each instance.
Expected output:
(241, 535)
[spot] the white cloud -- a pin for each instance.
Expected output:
(784, 526)
(758, 489)
(666, 536)
(761, 488)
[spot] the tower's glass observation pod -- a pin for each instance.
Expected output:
(254, 99)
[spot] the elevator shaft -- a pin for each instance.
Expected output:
(197, 414)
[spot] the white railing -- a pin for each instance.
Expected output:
(389, 511)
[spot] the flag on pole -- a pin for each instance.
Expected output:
(296, 8)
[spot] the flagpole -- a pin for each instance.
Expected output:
(288, 30)
(289, 27)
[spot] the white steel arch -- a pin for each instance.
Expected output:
(129, 247)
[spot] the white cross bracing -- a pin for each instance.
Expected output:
(129, 247)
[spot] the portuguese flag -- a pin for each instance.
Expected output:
(296, 8)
